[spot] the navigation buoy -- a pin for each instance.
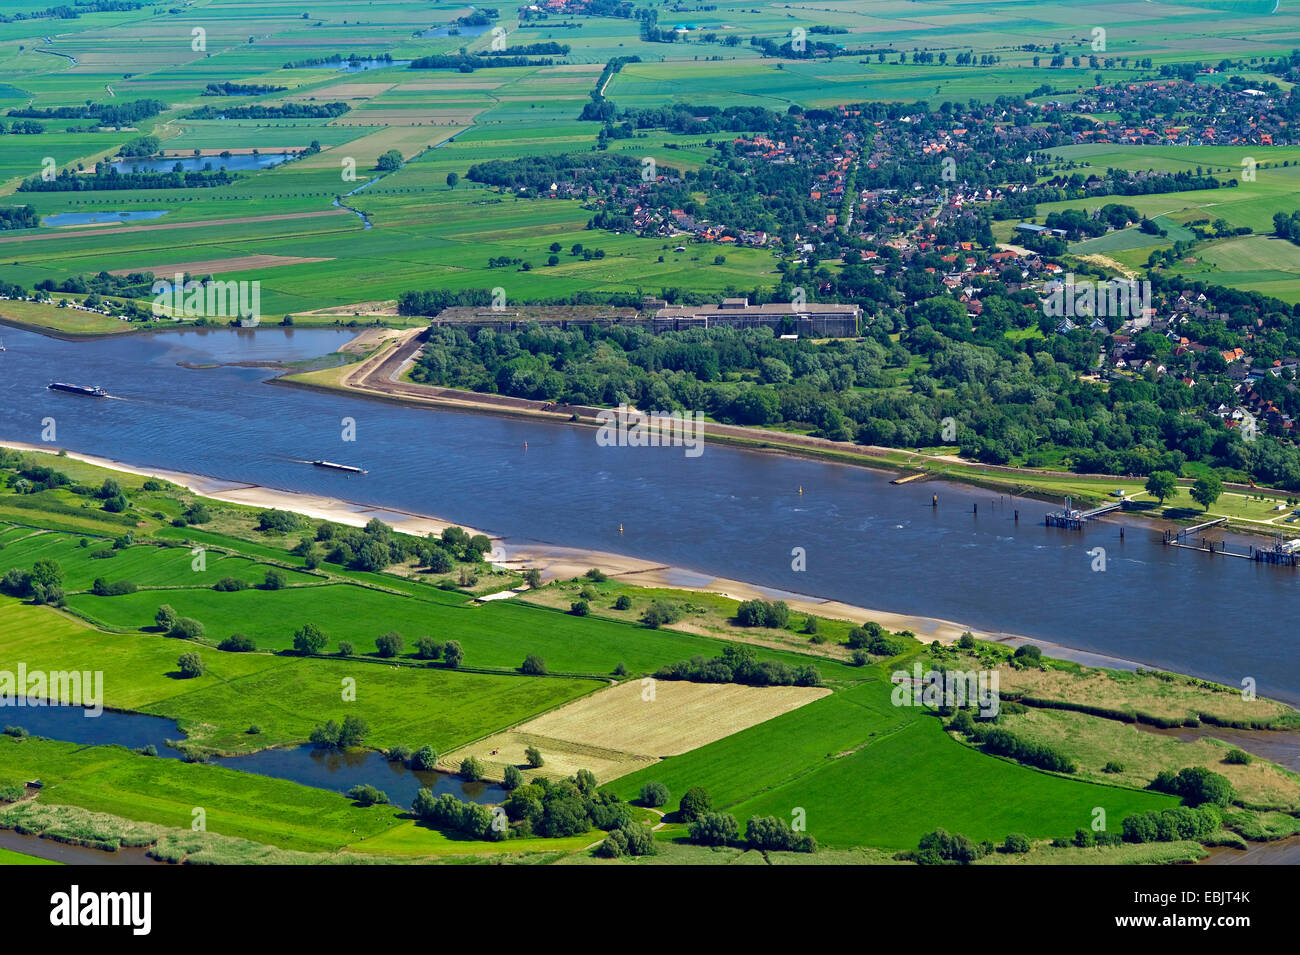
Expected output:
(620, 529)
(934, 500)
(801, 490)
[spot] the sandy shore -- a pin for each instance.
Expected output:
(559, 562)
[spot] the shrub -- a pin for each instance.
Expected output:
(276, 520)
(254, 730)
(941, 847)
(512, 779)
(1028, 655)
(966, 641)
(999, 742)
(237, 643)
(1196, 785)
(230, 584)
(655, 794)
(346, 649)
(599, 576)
(186, 628)
(1016, 844)
(533, 755)
(624, 602)
(427, 648)
(452, 654)
(714, 829)
(533, 665)
(872, 638)
(275, 579)
(694, 803)
(770, 834)
(424, 758)
(103, 588)
(471, 769)
(309, 639)
(368, 795)
(661, 613)
(351, 732)
(1237, 757)
(12, 793)
(191, 665)
(579, 608)
(1113, 766)
(389, 644)
(760, 613)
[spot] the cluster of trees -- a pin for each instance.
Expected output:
(125, 113)
(1078, 223)
(871, 637)
(738, 664)
(240, 89)
(22, 127)
(600, 108)
(376, 547)
(18, 217)
(762, 833)
(1000, 742)
(1171, 825)
(1196, 785)
(540, 807)
(469, 62)
(351, 58)
(537, 173)
(278, 111)
(550, 48)
(345, 735)
(760, 613)
(66, 11)
(43, 584)
(106, 177)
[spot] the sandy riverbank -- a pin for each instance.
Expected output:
(559, 562)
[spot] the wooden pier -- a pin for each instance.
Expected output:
(1073, 519)
(1282, 553)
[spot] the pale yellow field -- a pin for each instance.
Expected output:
(620, 729)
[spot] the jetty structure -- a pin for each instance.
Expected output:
(1073, 518)
(332, 466)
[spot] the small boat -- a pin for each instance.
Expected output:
(94, 391)
(340, 467)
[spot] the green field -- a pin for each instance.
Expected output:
(427, 235)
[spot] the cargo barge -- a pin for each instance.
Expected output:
(93, 391)
(339, 467)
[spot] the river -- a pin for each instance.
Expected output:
(728, 512)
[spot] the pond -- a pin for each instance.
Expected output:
(235, 162)
(461, 29)
(96, 218)
(360, 66)
(307, 765)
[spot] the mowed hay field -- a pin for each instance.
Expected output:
(634, 724)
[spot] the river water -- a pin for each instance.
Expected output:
(727, 512)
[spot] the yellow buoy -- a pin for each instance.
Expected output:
(620, 528)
